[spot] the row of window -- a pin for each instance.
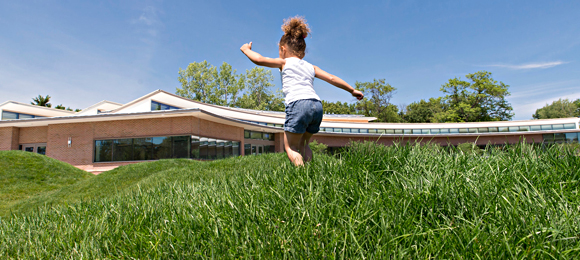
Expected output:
(13, 115)
(470, 130)
(160, 106)
(258, 135)
(452, 130)
(250, 149)
(561, 138)
(163, 147)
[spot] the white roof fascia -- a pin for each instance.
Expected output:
(103, 105)
(24, 108)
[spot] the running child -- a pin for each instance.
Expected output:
(303, 106)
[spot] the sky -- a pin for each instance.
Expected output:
(83, 52)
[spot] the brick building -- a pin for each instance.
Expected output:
(162, 125)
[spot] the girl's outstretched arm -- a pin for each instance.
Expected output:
(337, 82)
(260, 60)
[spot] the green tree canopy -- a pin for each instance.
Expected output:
(338, 107)
(560, 108)
(41, 101)
(424, 111)
(223, 86)
(480, 98)
(377, 101)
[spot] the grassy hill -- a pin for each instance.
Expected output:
(373, 202)
(24, 175)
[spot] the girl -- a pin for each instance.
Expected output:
(303, 106)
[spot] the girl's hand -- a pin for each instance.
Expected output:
(357, 94)
(246, 47)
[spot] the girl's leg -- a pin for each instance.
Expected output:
(292, 147)
(304, 147)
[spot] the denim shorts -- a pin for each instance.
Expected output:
(303, 115)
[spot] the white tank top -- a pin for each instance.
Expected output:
(297, 78)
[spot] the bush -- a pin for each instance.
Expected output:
(318, 148)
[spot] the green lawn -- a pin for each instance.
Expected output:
(373, 202)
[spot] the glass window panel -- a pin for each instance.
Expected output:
(256, 135)
(453, 130)
(578, 137)
(503, 129)
(372, 131)
(41, 150)
(560, 138)
(346, 130)
(355, 130)
(103, 150)
(338, 130)
(546, 127)
(235, 148)
(425, 131)
(227, 149)
(407, 131)
(123, 150)
(548, 138)
(398, 131)
(492, 129)
(181, 146)
(247, 149)
(444, 130)
(195, 147)
(472, 130)
(203, 150)
(524, 128)
(569, 126)
(279, 125)
(211, 148)
(142, 149)
(571, 137)
(266, 136)
(535, 128)
(558, 127)
(482, 130)
(247, 134)
(260, 149)
(416, 131)
(253, 150)
(514, 128)
(383, 131)
(435, 131)
(9, 115)
(29, 149)
(155, 106)
(463, 130)
(272, 137)
(24, 116)
(161, 147)
(219, 149)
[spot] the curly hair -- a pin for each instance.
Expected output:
(295, 30)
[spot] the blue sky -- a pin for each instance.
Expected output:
(82, 52)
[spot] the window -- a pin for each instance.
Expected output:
(463, 130)
(492, 129)
(453, 131)
(524, 128)
(548, 138)
(6, 115)
(569, 126)
(514, 128)
(163, 147)
(482, 130)
(546, 127)
(557, 127)
(472, 130)
(503, 129)
(559, 138)
(572, 137)
(160, 106)
(435, 131)
(535, 128)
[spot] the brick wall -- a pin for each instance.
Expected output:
(30, 135)
(83, 135)
(9, 138)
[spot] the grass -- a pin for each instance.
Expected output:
(24, 175)
(372, 202)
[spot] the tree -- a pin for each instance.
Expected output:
(560, 108)
(377, 100)
(424, 111)
(41, 101)
(338, 108)
(479, 99)
(198, 82)
(257, 93)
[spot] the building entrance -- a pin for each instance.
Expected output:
(34, 148)
(257, 149)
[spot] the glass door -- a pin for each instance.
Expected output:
(257, 149)
(34, 148)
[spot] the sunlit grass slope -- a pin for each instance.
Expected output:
(24, 175)
(375, 202)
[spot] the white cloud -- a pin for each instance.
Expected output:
(539, 65)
